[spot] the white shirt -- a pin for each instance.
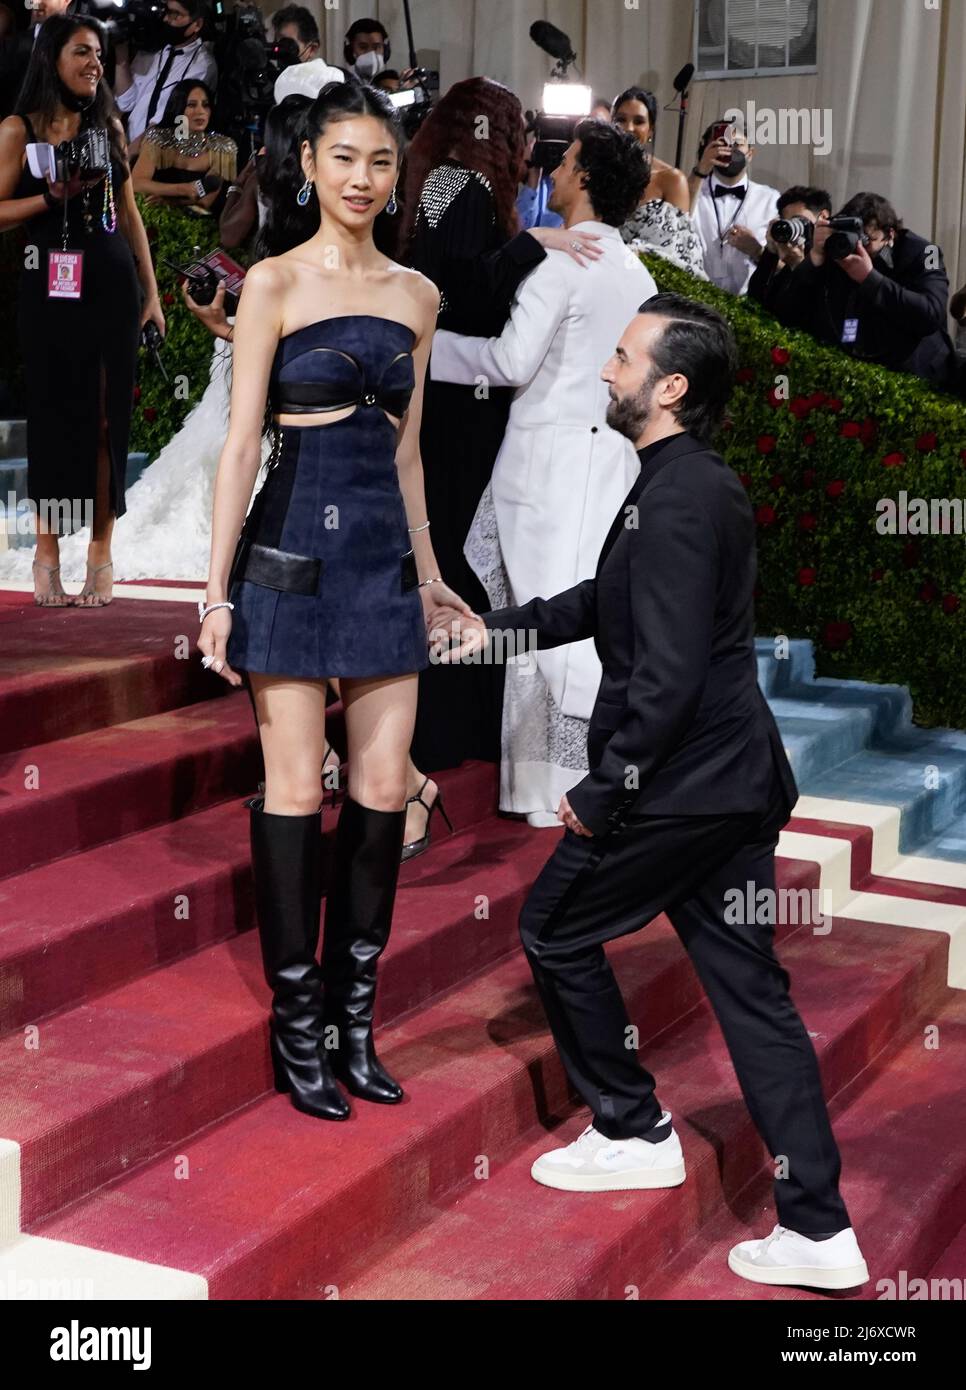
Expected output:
(726, 266)
(191, 60)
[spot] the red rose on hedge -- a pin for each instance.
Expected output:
(766, 443)
(809, 437)
(150, 414)
(817, 398)
(776, 482)
(806, 577)
(851, 429)
(877, 575)
(928, 592)
(833, 404)
(950, 603)
(765, 516)
(744, 479)
(926, 442)
(808, 477)
(807, 522)
(780, 356)
(869, 431)
(893, 460)
(800, 407)
(744, 374)
(910, 555)
(774, 399)
(836, 634)
(836, 488)
(167, 297)
(137, 393)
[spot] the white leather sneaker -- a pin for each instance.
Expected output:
(594, 1163)
(785, 1257)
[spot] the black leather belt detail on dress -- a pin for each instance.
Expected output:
(277, 569)
(410, 574)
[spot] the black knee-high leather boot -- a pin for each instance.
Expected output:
(287, 867)
(358, 915)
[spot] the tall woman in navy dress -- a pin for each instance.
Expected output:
(334, 575)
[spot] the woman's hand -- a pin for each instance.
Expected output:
(439, 595)
(213, 643)
(212, 315)
(152, 311)
(577, 245)
(453, 635)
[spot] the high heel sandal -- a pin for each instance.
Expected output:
(88, 589)
(419, 846)
(65, 600)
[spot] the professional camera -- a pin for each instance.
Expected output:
(87, 156)
(415, 103)
(793, 231)
(137, 22)
(848, 234)
(565, 103)
(248, 66)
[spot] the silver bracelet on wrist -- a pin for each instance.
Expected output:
(412, 529)
(424, 582)
(203, 611)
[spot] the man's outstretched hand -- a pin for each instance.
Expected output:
(453, 635)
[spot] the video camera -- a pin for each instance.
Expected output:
(415, 103)
(565, 103)
(136, 22)
(248, 66)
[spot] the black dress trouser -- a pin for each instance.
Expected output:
(593, 890)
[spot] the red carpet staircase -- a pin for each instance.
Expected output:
(136, 1111)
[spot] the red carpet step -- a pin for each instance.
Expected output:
(277, 1203)
(507, 1238)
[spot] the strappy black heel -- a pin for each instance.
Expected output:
(419, 846)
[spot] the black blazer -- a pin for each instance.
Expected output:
(680, 726)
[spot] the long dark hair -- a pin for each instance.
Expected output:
(646, 98)
(41, 84)
(177, 103)
(452, 128)
(279, 179)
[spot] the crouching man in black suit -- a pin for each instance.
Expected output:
(687, 791)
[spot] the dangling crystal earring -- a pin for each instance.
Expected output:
(304, 193)
(392, 206)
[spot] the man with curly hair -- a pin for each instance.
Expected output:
(561, 472)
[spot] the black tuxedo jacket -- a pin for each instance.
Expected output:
(680, 726)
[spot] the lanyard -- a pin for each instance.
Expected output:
(717, 217)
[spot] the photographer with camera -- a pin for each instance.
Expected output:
(17, 46)
(80, 307)
(297, 24)
(367, 50)
(876, 290)
(730, 211)
(182, 162)
(145, 82)
(787, 242)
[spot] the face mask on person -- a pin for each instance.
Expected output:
(174, 35)
(367, 65)
(735, 165)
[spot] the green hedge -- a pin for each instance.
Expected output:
(883, 608)
(159, 406)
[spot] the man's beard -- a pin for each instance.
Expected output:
(629, 414)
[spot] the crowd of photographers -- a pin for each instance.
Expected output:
(856, 279)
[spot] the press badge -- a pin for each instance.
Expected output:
(850, 330)
(64, 271)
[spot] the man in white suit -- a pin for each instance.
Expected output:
(562, 472)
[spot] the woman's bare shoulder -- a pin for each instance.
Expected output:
(418, 286)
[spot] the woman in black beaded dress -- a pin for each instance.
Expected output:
(79, 353)
(460, 228)
(178, 152)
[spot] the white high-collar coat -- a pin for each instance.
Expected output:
(562, 473)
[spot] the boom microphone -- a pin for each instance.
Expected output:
(552, 40)
(683, 78)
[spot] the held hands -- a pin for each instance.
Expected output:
(454, 632)
(213, 642)
(566, 813)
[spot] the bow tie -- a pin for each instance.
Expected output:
(721, 190)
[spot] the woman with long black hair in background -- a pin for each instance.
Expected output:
(460, 229)
(79, 353)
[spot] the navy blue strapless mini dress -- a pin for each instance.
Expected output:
(324, 576)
